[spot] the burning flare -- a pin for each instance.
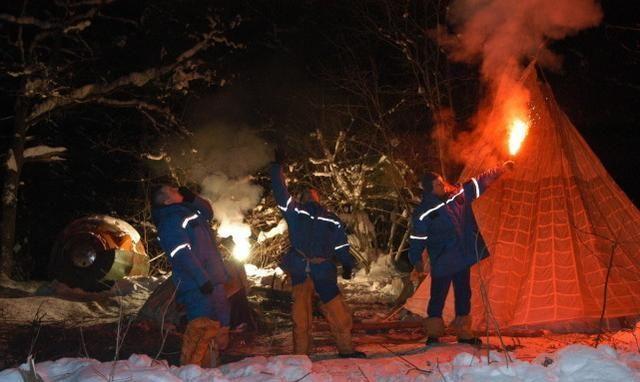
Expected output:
(241, 249)
(240, 234)
(517, 132)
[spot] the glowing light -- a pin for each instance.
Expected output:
(240, 234)
(241, 249)
(517, 132)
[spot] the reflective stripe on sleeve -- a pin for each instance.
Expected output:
(341, 246)
(418, 237)
(178, 248)
(287, 205)
(304, 213)
(424, 215)
(329, 220)
(187, 220)
(451, 199)
(475, 183)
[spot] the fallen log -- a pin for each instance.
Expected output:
(372, 326)
(272, 293)
(323, 326)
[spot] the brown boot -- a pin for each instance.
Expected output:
(338, 314)
(301, 314)
(189, 342)
(211, 357)
(196, 341)
(462, 326)
(222, 338)
(434, 329)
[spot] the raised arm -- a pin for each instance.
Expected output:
(476, 186)
(284, 200)
(279, 186)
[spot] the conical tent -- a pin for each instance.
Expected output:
(559, 230)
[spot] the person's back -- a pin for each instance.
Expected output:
(185, 223)
(317, 237)
(184, 231)
(444, 225)
(312, 229)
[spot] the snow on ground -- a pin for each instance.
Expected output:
(262, 276)
(570, 364)
(381, 285)
(54, 302)
(394, 355)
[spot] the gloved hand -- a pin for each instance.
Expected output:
(279, 155)
(206, 288)
(346, 273)
(509, 165)
(187, 194)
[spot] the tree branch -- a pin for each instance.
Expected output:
(145, 108)
(27, 20)
(136, 79)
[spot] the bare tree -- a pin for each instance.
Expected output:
(59, 56)
(412, 28)
(397, 105)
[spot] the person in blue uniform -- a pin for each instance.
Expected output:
(445, 226)
(183, 220)
(317, 237)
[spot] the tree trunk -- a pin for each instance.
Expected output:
(13, 167)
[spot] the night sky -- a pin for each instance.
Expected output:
(288, 64)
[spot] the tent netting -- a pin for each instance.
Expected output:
(558, 229)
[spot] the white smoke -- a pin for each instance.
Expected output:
(229, 155)
(231, 150)
(231, 198)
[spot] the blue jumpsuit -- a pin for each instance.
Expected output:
(449, 231)
(316, 235)
(185, 234)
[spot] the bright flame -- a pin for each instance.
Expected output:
(240, 234)
(241, 249)
(517, 132)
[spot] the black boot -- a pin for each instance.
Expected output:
(475, 341)
(355, 354)
(432, 341)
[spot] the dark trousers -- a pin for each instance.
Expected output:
(461, 291)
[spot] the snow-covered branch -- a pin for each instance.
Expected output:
(90, 92)
(155, 157)
(43, 153)
(142, 106)
(11, 163)
(27, 20)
